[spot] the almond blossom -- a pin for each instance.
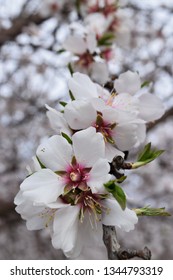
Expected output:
(146, 106)
(85, 54)
(119, 117)
(68, 194)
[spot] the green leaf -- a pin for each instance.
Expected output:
(145, 84)
(121, 179)
(67, 137)
(106, 39)
(117, 192)
(61, 51)
(149, 211)
(63, 103)
(71, 95)
(70, 68)
(146, 156)
(41, 164)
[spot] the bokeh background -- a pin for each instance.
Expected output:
(32, 74)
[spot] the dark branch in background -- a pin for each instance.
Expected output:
(114, 250)
(6, 208)
(17, 26)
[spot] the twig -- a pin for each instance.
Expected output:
(115, 252)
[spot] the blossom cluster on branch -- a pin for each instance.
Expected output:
(73, 184)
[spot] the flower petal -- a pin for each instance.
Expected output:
(125, 136)
(128, 82)
(88, 146)
(55, 153)
(124, 219)
(82, 87)
(65, 230)
(75, 44)
(99, 72)
(99, 175)
(42, 187)
(111, 152)
(80, 114)
(151, 107)
(141, 132)
(91, 42)
(33, 215)
(126, 102)
(57, 121)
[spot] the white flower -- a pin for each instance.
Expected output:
(83, 87)
(143, 108)
(50, 7)
(97, 23)
(148, 106)
(118, 128)
(79, 44)
(68, 195)
(83, 46)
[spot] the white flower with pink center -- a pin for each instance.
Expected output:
(119, 128)
(128, 85)
(83, 48)
(145, 107)
(68, 194)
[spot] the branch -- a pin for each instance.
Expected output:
(17, 26)
(115, 252)
(6, 208)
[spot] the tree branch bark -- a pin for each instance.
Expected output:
(17, 26)
(114, 250)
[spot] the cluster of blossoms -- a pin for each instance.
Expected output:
(66, 190)
(54, 7)
(91, 42)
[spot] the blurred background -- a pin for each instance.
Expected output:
(33, 74)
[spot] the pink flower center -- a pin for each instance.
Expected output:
(105, 128)
(75, 176)
(85, 59)
(106, 9)
(54, 7)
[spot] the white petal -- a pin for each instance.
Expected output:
(75, 44)
(35, 223)
(43, 187)
(91, 239)
(112, 115)
(82, 87)
(151, 107)
(57, 121)
(33, 215)
(88, 146)
(111, 152)
(99, 72)
(91, 42)
(55, 153)
(99, 175)
(141, 132)
(124, 219)
(126, 102)
(34, 166)
(65, 229)
(102, 92)
(80, 114)
(19, 198)
(98, 104)
(128, 82)
(125, 136)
